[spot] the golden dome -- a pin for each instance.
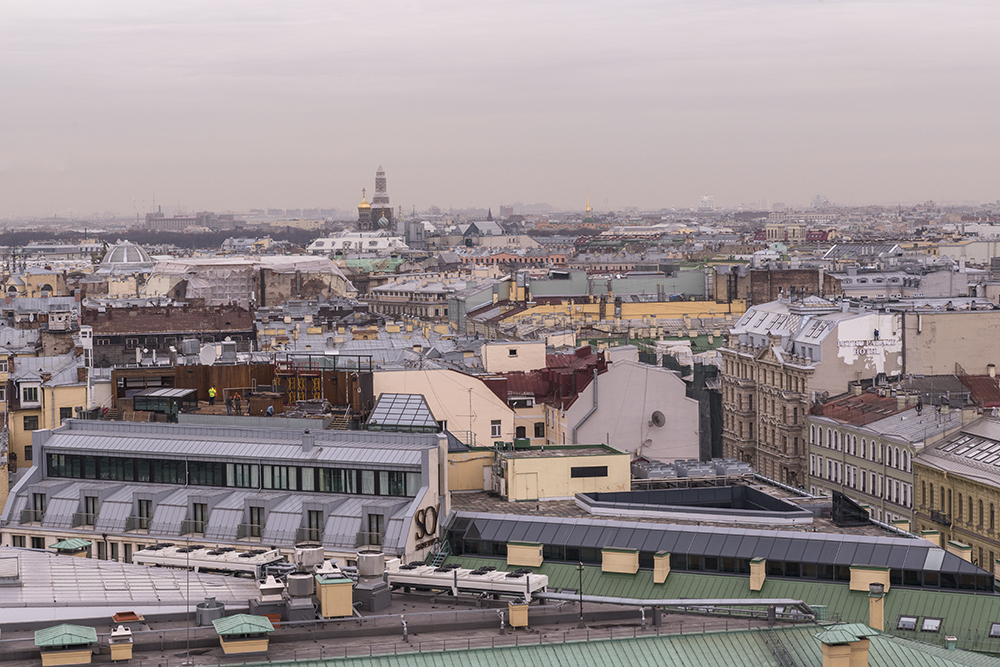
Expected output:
(364, 203)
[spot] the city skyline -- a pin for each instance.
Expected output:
(646, 105)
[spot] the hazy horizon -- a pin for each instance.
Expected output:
(233, 106)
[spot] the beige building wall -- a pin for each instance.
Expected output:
(938, 495)
(467, 471)
(53, 399)
(550, 477)
(627, 396)
(463, 401)
(936, 341)
(513, 357)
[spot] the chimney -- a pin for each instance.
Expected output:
(876, 606)
(950, 642)
(991, 370)
(900, 402)
(308, 441)
(758, 572)
(855, 388)
(845, 646)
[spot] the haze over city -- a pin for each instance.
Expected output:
(237, 105)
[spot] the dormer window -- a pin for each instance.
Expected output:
(29, 393)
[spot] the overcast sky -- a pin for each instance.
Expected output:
(237, 105)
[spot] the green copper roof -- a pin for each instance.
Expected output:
(735, 648)
(966, 616)
(846, 633)
(71, 544)
(242, 624)
(65, 635)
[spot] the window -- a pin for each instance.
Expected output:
(37, 542)
(931, 625)
(539, 429)
(145, 513)
(30, 422)
(256, 521)
(29, 453)
(3, 394)
(199, 514)
(102, 341)
(512, 352)
(994, 627)
(131, 343)
(29, 395)
(908, 623)
(19, 541)
(520, 432)
(588, 471)
(65, 413)
(495, 428)
(315, 525)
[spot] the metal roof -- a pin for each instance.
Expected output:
(65, 635)
(235, 443)
(60, 588)
(967, 616)
(733, 648)
(242, 624)
(821, 548)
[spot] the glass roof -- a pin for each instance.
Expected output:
(402, 412)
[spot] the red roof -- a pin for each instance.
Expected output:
(985, 390)
(559, 383)
(858, 410)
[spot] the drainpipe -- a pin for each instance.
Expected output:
(592, 410)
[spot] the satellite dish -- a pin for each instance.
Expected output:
(657, 419)
(208, 355)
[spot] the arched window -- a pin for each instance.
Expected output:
(895, 460)
(864, 448)
(812, 435)
(906, 460)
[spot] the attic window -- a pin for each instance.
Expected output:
(931, 625)
(512, 352)
(995, 630)
(910, 623)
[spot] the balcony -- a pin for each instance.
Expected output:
(134, 523)
(308, 536)
(31, 516)
(365, 539)
(189, 527)
(249, 531)
(83, 520)
(937, 516)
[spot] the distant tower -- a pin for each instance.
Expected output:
(380, 201)
(364, 214)
(588, 218)
(489, 215)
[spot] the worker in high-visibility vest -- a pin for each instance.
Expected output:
(211, 395)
